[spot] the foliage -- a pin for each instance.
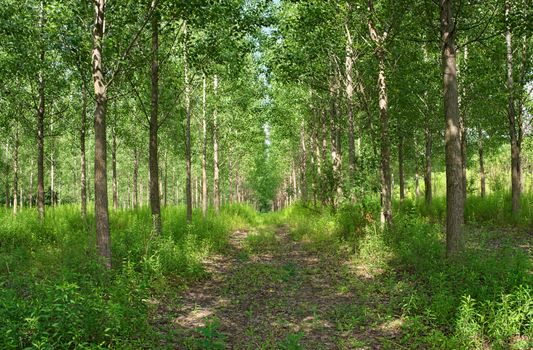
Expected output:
(481, 297)
(55, 293)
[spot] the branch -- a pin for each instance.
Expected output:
(143, 108)
(118, 66)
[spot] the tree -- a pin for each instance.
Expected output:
(103, 238)
(515, 127)
(454, 172)
(385, 171)
(155, 201)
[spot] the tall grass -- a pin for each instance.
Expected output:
(481, 298)
(55, 294)
(493, 210)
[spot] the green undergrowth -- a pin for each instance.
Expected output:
(480, 299)
(493, 210)
(55, 294)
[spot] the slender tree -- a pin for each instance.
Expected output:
(386, 174)
(155, 201)
(188, 167)
(516, 178)
(103, 238)
(454, 172)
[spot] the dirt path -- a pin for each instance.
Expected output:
(270, 292)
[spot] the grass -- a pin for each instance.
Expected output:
(482, 299)
(392, 288)
(55, 294)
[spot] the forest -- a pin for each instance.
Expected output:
(266, 174)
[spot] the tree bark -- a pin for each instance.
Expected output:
(385, 173)
(386, 176)
(324, 184)
(481, 163)
(516, 180)
(165, 181)
(103, 239)
(135, 178)
(454, 173)
(53, 198)
(15, 170)
(230, 177)
(187, 128)
(428, 194)
(349, 103)
(83, 162)
(463, 128)
(114, 168)
(204, 146)
(463, 132)
(40, 124)
(303, 164)
(7, 204)
(195, 191)
(216, 184)
(155, 202)
(336, 160)
(30, 194)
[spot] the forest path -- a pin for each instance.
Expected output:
(271, 292)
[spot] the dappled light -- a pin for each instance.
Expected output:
(266, 174)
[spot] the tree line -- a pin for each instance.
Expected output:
(264, 102)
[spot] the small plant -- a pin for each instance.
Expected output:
(210, 337)
(292, 342)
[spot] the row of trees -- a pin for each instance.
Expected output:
(268, 102)
(369, 75)
(178, 72)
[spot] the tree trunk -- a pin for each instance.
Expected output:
(386, 176)
(135, 178)
(385, 173)
(103, 239)
(216, 184)
(427, 155)
(317, 175)
(31, 184)
(303, 164)
(165, 182)
(83, 163)
(230, 177)
(481, 162)
(515, 147)
(114, 168)
(463, 131)
(40, 124)
(204, 146)
(52, 178)
(454, 173)
(463, 128)
(15, 170)
(336, 160)
(187, 129)
(521, 100)
(401, 168)
(196, 192)
(349, 103)
(7, 177)
(155, 203)
(324, 184)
